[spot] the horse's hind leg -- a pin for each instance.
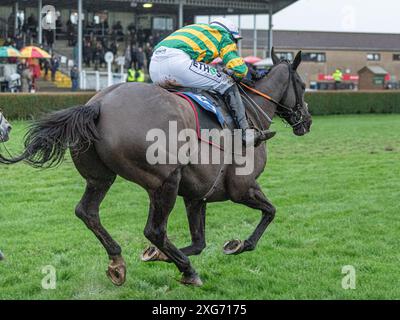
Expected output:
(254, 198)
(88, 211)
(162, 202)
(196, 213)
(98, 181)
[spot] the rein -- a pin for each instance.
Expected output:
(288, 111)
(261, 94)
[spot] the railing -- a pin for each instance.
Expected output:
(96, 80)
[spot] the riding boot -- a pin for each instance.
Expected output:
(234, 101)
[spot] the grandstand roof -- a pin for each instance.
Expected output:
(194, 7)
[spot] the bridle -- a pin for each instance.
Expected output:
(285, 112)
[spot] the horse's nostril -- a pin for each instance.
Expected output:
(9, 128)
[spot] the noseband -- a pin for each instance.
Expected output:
(287, 112)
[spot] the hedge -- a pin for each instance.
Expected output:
(353, 102)
(28, 106)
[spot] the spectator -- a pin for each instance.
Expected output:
(26, 79)
(49, 36)
(70, 32)
(54, 65)
(21, 67)
(128, 57)
(46, 67)
(117, 30)
(134, 58)
(135, 75)
(8, 42)
(148, 51)
(74, 78)
(98, 56)
(140, 58)
(35, 72)
(338, 78)
(19, 42)
(87, 53)
(114, 47)
(32, 23)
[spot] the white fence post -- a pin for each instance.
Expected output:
(84, 84)
(97, 81)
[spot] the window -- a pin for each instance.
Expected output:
(374, 57)
(163, 23)
(285, 55)
(314, 57)
(396, 57)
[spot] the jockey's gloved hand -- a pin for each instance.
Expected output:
(227, 71)
(258, 76)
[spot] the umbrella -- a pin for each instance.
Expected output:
(252, 59)
(34, 52)
(267, 62)
(8, 52)
(216, 60)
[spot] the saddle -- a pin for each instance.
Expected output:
(210, 110)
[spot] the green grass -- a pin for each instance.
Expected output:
(337, 194)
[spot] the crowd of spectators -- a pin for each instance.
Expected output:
(136, 46)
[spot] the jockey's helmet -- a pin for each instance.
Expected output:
(229, 26)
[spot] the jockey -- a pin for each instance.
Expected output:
(181, 60)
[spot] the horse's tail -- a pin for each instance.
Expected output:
(48, 139)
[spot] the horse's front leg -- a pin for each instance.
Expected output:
(254, 198)
(1, 256)
(162, 202)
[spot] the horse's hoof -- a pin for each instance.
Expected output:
(192, 280)
(117, 271)
(1, 256)
(233, 247)
(153, 254)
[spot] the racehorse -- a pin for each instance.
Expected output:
(5, 129)
(107, 137)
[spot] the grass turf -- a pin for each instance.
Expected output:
(337, 195)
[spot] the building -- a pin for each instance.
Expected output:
(372, 77)
(323, 52)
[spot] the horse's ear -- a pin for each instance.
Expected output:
(274, 57)
(297, 61)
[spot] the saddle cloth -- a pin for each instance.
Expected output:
(210, 110)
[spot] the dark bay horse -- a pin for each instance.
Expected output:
(107, 137)
(5, 129)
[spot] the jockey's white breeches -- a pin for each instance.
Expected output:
(171, 67)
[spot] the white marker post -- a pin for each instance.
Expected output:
(121, 62)
(109, 58)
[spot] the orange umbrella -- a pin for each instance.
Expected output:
(252, 59)
(34, 52)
